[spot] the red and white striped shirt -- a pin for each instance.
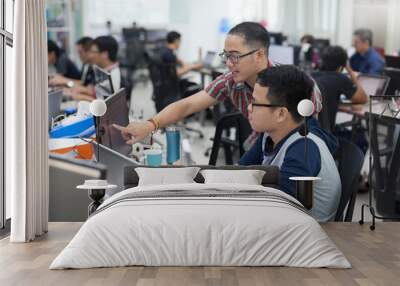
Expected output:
(240, 93)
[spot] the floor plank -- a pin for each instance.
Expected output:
(374, 255)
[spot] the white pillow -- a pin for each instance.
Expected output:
(248, 177)
(166, 176)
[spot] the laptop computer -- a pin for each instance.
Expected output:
(374, 84)
(103, 83)
(209, 60)
(55, 98)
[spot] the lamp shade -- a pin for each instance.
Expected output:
(98, 107)
(305, 108)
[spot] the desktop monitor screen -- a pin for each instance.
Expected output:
(103, 83)
(392, 61)
(373, 84)
(155, 35)
(276, 38)
(321, 44)
(209, 59)
(281, 54)
(118, 113)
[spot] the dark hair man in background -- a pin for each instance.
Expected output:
(59, 63)
(333, 83)
(87, 76)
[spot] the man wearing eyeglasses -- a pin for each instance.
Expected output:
(245, 54)
(273, 112)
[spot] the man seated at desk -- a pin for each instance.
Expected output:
(83, 46)
(366, 60)
(59, 63)
(167, 54)
(273, 111)
(333, 83)
(103, 53)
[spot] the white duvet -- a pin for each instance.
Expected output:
(188, 231)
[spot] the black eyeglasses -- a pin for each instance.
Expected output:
(234, 58)
(266, 105)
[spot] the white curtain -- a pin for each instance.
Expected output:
(27, 123)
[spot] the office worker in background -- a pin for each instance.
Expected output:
(59, 63)
(167, 54)
(83, 46)
(245, 54)
(366, 60)
(103, 53)
(333, 83)
(273, 112)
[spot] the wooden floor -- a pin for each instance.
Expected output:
(374, 255)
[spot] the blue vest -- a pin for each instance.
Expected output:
(327, 191)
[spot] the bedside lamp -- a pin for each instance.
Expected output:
(98, 108)
(304, 185)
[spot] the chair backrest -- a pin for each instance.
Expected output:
(243, 130)
(165, 80)
(350, 160)
(394, 83)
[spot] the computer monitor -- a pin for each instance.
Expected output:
(208, 61)
(394, 84)
(154, 35)
(281, 54)
(103, 83)
(117, 113)
(392, 61)
(54, 101)
(321, 44)
(374, 84)
(276, 38)
(66, 203)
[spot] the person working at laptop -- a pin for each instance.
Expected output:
(83, 46)
(366, 60)
(245, 54)
(103, 53)
(59, 63)
(333, 83)
(273, 112)
(168, 56)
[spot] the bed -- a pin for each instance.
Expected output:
(201, 224)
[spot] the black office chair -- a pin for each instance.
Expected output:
(166, 86)
(225, 123)
(350, 160)
(386, 166)
(394, 84)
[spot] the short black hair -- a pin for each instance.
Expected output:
(173, 36)
(85, 42)
(254, 34)
(52, 47)
(287, 86)
(333, 58)
(307, 38)
(107, 44)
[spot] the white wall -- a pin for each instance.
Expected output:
(198, 21)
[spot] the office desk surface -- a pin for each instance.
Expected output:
(374, 255)
(378, 107)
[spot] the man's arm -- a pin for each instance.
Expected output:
(359, 96)
(175, 112)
